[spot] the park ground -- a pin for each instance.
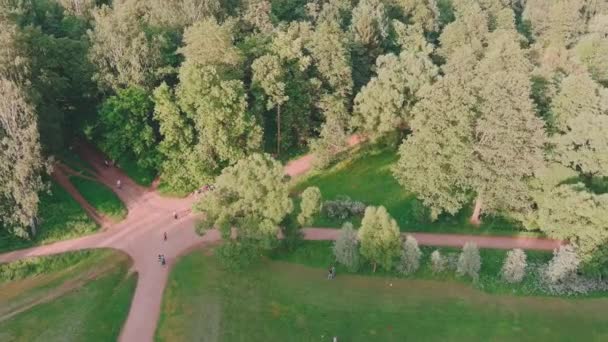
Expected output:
(78, 296)
(278, 300)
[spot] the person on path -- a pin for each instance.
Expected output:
(329, 274)
(165, 236)
(333, 272)
(160, 258)
(106, 163)
(175, 215)
(162, 261)
(118, 184)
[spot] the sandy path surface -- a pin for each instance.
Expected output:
(141, 236)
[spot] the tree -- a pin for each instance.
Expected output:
(268, 73)
(258, 15)
(311, 204)
(333, 136)
(593, 47)
(126, 127)
(555, 22)
(469, 261)
(438, 262)
(441, 182)
(379, 238)
(346, 247)
(422, 12)
(385, 103)
(250, 197)
(369, 27)
(180, 13)
(122, 52)
(514, 268)
(410, 259)
(21, 161)
(470, 28)
(581, 143)
(208, 43)
(331, 56)
(563, 266)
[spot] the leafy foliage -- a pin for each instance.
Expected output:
(469, 261)
(310, 205)
(379, 238)
(346, 247)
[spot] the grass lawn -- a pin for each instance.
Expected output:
(282, 301)
(81, 296)
(140, 175)
(61, 217)
(366, 176)
(101, 198)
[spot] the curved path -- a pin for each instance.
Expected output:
(140, 235)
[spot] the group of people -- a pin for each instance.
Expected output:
(161, 259)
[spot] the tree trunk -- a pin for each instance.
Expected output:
(278, 130)
(476, 212)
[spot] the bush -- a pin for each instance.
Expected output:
(469, 261)
(310, 205)
(410, 259)
(346, 248)
(438, 262)
(420, 212)
(343, 208)
(563, 266)
(514, 268)
(292, 234)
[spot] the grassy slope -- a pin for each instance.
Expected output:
(367, 177)
(61, 217)
(94, 308)
(101, 198)
(278, 301)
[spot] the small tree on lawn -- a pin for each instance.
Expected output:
(410, 259)
(469, 261)
(379, 238)
(563, 266)
(311, 205)
(514, 267)
(438, 262)
(346, 247)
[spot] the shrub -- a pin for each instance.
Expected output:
(420, 212)
(438, 262)
(514, 267)
(380, 238)
(346, 248)
(236, 255)
(469, 261)
(343, 208)
(563, 266)
(410, 259)
(310, 205)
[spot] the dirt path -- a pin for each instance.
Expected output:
(140, 235)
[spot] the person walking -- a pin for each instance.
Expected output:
(163, 261)
(165, 236)
(118, 184)
(333, 272)
(175, 215)
(329, 275)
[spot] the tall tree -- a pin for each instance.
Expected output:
(21, 161)
(123, 53)
(470, 28)
(581, 142)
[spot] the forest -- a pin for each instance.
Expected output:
(497, 104)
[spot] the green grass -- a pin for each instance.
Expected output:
(82, 296)
(366, 176)
(103, 199)
(61, 217)
(281, 301)
(141, 176)
(73, 160)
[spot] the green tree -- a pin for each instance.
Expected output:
(470, 28)
(581, 142)
(385, 103)
(592, 48)
(422, 12)
(331, 57)
(557, 22)
(250, 197)
(126, 127)
(334, 131)
(379, 238)
(310, 205)
(208, 43)
(123, 53)
(21, 161)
